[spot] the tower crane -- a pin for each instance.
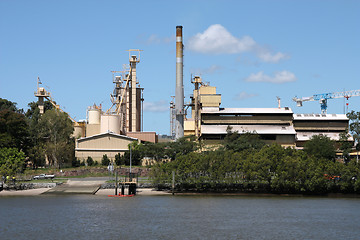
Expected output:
(323, 97)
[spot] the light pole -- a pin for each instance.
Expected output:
(130, 165)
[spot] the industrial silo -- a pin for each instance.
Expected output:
(94, 116)
(110, 123)
(93, 121)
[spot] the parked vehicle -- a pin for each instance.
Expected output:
(44, 176)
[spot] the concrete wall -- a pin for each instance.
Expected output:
(97, 146)
(285, 140)
(144, 136)
(92, 129)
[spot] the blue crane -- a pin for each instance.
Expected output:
(323, 97)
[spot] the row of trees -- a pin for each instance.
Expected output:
(33, 138)
(245, 163)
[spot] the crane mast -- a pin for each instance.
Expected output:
(323, 97)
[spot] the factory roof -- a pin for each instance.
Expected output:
(260, 129)
(285, 110)
(318, 116)
(107, 133)
(305, 136)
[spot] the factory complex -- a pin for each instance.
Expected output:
(110, 132)
(210, 123)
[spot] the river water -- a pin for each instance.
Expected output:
(179, 217)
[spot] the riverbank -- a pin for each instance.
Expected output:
(139, 191)
(28, 192)
(154, 192)
(100, 192)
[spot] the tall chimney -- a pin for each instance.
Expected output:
(179, 90)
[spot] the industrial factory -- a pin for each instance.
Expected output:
(109, 132)
(209, 122)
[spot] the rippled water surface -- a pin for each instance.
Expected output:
(179, 217)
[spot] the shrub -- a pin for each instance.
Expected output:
(90, 161)
(105, 161)
(119, 160)
(75, 162)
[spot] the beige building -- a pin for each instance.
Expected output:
(209, 122)
(98, 145)
(271, 124)
(330, 125)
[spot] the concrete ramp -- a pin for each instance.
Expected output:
(78, 186)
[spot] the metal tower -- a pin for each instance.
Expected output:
(179, 90)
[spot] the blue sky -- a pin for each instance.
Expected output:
(252, 51)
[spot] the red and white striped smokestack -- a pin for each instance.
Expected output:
(179, 90)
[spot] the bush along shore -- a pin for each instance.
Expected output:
(245, 166)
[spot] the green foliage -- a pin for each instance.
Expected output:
(182, 146)
(38, 137)
(105, 161)
(8, 105)
(320, 147)
(239, 142)
(13, 130)
(37, 144)
(11, 161)
(54, 129)
(90, 161)
(119, 160)
(272, 169)
(345, 146)
(75, 162)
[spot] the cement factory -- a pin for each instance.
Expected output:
(109, 132)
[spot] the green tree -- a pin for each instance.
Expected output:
(182, 146)
(119, 159)
(136, 154)
(345, 146)
(246, 140)
(55, 130)
(105, 161)
(320, 146)
(37, 143)
(90, 161)
(13, 127)
(11, 161)
(8, 105)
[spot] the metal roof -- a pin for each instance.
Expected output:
(260, 129)
(305, 136)
(312, 116)
(247, 111)
(107, 133)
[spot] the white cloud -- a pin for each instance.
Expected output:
(218, 40)
(210, 70)
(159, 106)
(244, 95)
(266, 56)
(279, 77)
(155, 39)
